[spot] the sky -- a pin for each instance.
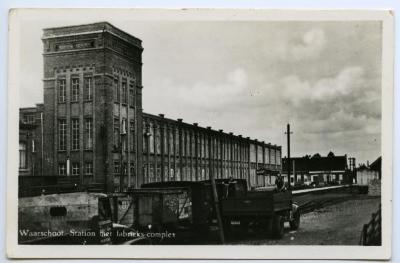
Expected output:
(251, 78)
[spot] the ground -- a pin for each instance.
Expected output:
(336, 224)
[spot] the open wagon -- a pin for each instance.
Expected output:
(196, 202)
(158, 209)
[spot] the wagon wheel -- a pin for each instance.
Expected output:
(278, 226)
(295, 223)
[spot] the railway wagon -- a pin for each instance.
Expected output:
(195, 201)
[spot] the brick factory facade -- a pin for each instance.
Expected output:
(94, 127)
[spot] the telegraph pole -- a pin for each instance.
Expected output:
(214, 189)
(288, 132)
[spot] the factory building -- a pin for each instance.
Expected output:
(94, 128)
(175, 150)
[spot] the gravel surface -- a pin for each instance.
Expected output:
(337, 224)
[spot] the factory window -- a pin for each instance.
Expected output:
(207, 145)
(33, 146)
(75, 168)
(75, 89)
(165, 140)
(145, 141)
(266, 154)
(176, 142)
(22, 155)
(158, 139)
(201, 146)
(62, 92)
(88, 85)
(62, 135)
(132, 169)
(131, 96)
(183, 143)
(132, 137)
(260, 154)
(194, 154)
(75, 134)
(116, 134)
(171, 141)
(188, 153)
(88, 134)
(272, 156)
(29, 119)
(124, 92)
(252, 153)
(278, 157)
(151, 139)
(116, 90)
(116, 167)
(88, 168)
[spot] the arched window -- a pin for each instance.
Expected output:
(22, 155)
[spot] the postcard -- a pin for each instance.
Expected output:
(200, 134)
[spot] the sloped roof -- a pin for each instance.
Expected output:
(377, 164)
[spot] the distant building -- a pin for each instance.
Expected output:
(366, 174)
(317, 169)
(377, 166)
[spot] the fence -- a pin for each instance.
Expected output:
(371, 234)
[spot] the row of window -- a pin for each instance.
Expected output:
(118, 169)
(75, 168)
(75, 133)
(75, 89)
(121, 92)
(88, 168)
(228, 151)
(28, 118)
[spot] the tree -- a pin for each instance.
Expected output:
(331, 154)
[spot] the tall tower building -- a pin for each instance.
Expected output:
(93, 105)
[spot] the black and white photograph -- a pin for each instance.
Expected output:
(200, 129)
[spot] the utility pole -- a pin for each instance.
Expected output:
(214, 188)
(288, 132)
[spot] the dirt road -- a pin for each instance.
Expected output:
(338, 224)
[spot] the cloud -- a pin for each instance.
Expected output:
(207, 95)
(349, 80)
(307, 46)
